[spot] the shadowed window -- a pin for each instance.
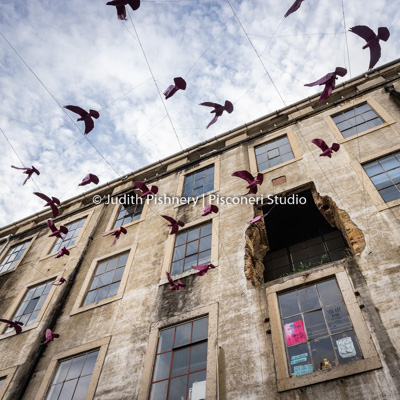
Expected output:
(130, 211)
(199, 182)
(69, 239)
(13, 255)
(273, 153)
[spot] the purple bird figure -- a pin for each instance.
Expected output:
(13, 324)
(56, 232)
(203, 268)
(259, 218)
(329, 80)
(173, 224)
(174, 286)
(218, 109)
(145, 190)
(372, 41)
(59, 282)
(121, 10)
(295, 6)
(87, 117)
(326, 150)
(253, 182)
(62, 252)
(28, 171)
(50, 336)
(52, 202)
(208, 209)
(117, 233)
(89, 178)
(180, 83)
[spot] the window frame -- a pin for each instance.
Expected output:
(211, 374)
(370, 359)
(101, 344)
(78, 307)
(8, 374)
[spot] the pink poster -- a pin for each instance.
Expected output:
(294, 333)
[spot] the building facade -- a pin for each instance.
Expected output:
(302, 304)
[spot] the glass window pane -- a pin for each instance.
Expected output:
(89, 363)
(200, 329)
(112, 263)
(289, 304)
(323, 355)
(180, 362)
(206, 229)
(300, 360)
(181, 238)
(107, 278)
(381, 181)
(166, 340)
(346, 347)
(162, 367)
(197, 386)
(31, 305)
(337, 318)
(62, 371)
(190, 261)
(113, 289)
(159, 391)
(177, 267)
(183, 334)
(390, 194)
(76, 367)
(315, 324)
(179, 252)
(373, 168)
(192, 248)
(308, 298)
(54, 392)
(122, 260)
(198, 357)
(193, 234)
(389, 162)
(394, 175)
(287, 156)
(82, 387)
(329, 292)
(177, 388)
(204, 257)
(205, 243)
(118, 274)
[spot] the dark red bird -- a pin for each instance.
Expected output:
(295, 6)
(117, 233)
(180, 83)
(372, 41)
(13, 324)
(56, 232)
(203, 268)
(218, 109)
(87, 117)
(28, 171)
(208, 209)
(174, 286)
(329, 80)
(121, 10)
(326, 150)
(89, 178)
(173, 224)
(62, 252)
(259, 218)
(52, 202)
(253, 182)
(59, 282)
(50, 336)
(145, 190)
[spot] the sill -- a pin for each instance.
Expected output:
(54, 254)
(12, 333)
(130, 223)
(9, 271)
(265, 171)
(189, 272)
(197, 198)
(95, 305)
(376, 128)
(387, 206)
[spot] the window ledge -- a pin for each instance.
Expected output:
(189, 272)
(12, 333)
(197, 198)
(390, 204)
(265, 171)
(95, 305)
(130, 224)
(8, 271)
(376, 128)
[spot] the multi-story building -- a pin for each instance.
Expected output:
(303, 304)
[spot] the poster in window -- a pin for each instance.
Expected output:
(294, 333)
(303, 369)
(346, 347)
(337, 318)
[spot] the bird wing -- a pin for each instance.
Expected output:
(93, 113)
(202, 267)
(320, 143)
(169, 219)
(141, 185)
(94, 178)
(295, 6)
(174, 229)
(209, 104)
(169, 278)
(335, 147)
(228, 106)
(363, 31)
(54, 209)
(246, 175)
(375, 54)
(7, 321)
(154, 189)
(89, 125)
(135, 4)
(123, 230)
(214, 209)
(321, 81)
(63, 229)
(121, 12)
(12, 166)
(171, 90)
(17, 328)
(77, 110)
(383, 33)
(51, 225)
(42, 196)
(181, 224)
(55, 200)
(212, 121)
(340, 71)
(49, 334)
(260, 178)
(180, 83)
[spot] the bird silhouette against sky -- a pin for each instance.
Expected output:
(329, 80)
(62, 252)
(120, 5)
(50, 336)
(173, 224)
(203, 268)
(87, 117)
(218, 109)
(174, 286)
(28, 171)
(180, 83)
(51, 202)
(208, 209)
(117, 233)
(249, 178)
(326, 150)
(372, 41)
(13, 324)
(89, 178)
(145, 190)
(59, 282)
(295, 6)
(56, 232)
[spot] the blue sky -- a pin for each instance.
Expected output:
(85, 56)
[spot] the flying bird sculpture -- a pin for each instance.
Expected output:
(295, 6)
(249, 178)
(372, 41)
(62, 252)
(50, 336)
(180, 83)
(117, 233)
(28, 171)
(259, 218)
(145, 190)
(208, 209)
(52, 202)
(218, 109)
(13, 324)
(120, 5)
(174, 286)
(89, 178)
(87, 117)
(203, 268)
(173, 224)
(59, 282)
(56, 232)
(329, 80)
(326, 150)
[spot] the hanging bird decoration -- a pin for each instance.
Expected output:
(173, 224)
(89, 178)
(218, 109)
(174, 286)
(329, 80)
(52, 202)
(28, 171)
(120, 5)
(326, 150)
(249, 178)
(87, 117)
(180, 83)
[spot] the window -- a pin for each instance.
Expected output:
(2, 380)
(32, 304)
(10, 260)
(69, 239)
(385, 175)
(181, 362)
(192, 247)
(273, 153)
(356, 120)
(129, 212)
(107, 279)
(73, 376)
(199, 182)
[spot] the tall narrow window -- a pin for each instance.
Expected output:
(273, 153)
(69, 239)
(2, 380)
(199, 182)
(72, 378)
(130, 211)
(317, 329)
(181, 362)
(12, 256)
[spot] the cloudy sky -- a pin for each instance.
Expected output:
(77, 52)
